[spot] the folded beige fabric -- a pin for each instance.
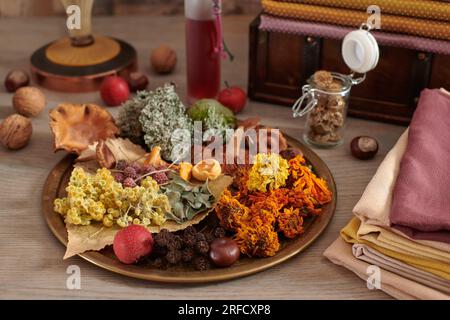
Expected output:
(374, 206)
(399, 287)
(372, 256)
(375, 203)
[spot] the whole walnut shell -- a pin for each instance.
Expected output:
(163, 59)
(29, 101)
(15, 131)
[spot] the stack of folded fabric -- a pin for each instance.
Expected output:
(402, 221)
(420, 24)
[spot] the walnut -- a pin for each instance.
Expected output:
(163, 59)
(29, 101)
(15, 131)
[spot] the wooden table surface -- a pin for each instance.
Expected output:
(31, 264)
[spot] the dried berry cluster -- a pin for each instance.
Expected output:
(185, 247)
(131, 174)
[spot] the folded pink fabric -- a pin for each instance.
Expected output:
(270, 23)
(421, 197)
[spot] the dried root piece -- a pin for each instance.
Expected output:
(76, 126)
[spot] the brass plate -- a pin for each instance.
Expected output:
(58, 178)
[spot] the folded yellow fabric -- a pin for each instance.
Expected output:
(415, 26)
(426, 9)
(401, 244)
(340, 253)
(350, 235)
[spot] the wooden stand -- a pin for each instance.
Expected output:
(81, 75)
(80, 62)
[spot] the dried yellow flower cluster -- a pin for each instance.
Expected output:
(100, 198)
(269, 172)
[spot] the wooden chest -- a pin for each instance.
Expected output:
(281, 63)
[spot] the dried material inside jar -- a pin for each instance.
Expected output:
(327, 118)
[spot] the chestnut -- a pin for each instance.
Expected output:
(16, 79)
(137, 81)
(364, 147)
(224, 252)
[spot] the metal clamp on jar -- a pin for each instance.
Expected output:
(325, 98)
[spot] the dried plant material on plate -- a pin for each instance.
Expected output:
(96, 236)
(188, 199)
(154, 158)
(124, 149)
(88, 154)
(85, 238)
(266, 203)
(104, 155)
(120, 149)
(76, 126)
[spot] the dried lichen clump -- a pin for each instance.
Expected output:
(128, 119)
(164, 114)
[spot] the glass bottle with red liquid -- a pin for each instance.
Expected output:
(204, 48)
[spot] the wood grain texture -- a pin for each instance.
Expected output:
(32, 265)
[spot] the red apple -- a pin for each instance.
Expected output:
(114, 90)
(132, 243)
(234, 98)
